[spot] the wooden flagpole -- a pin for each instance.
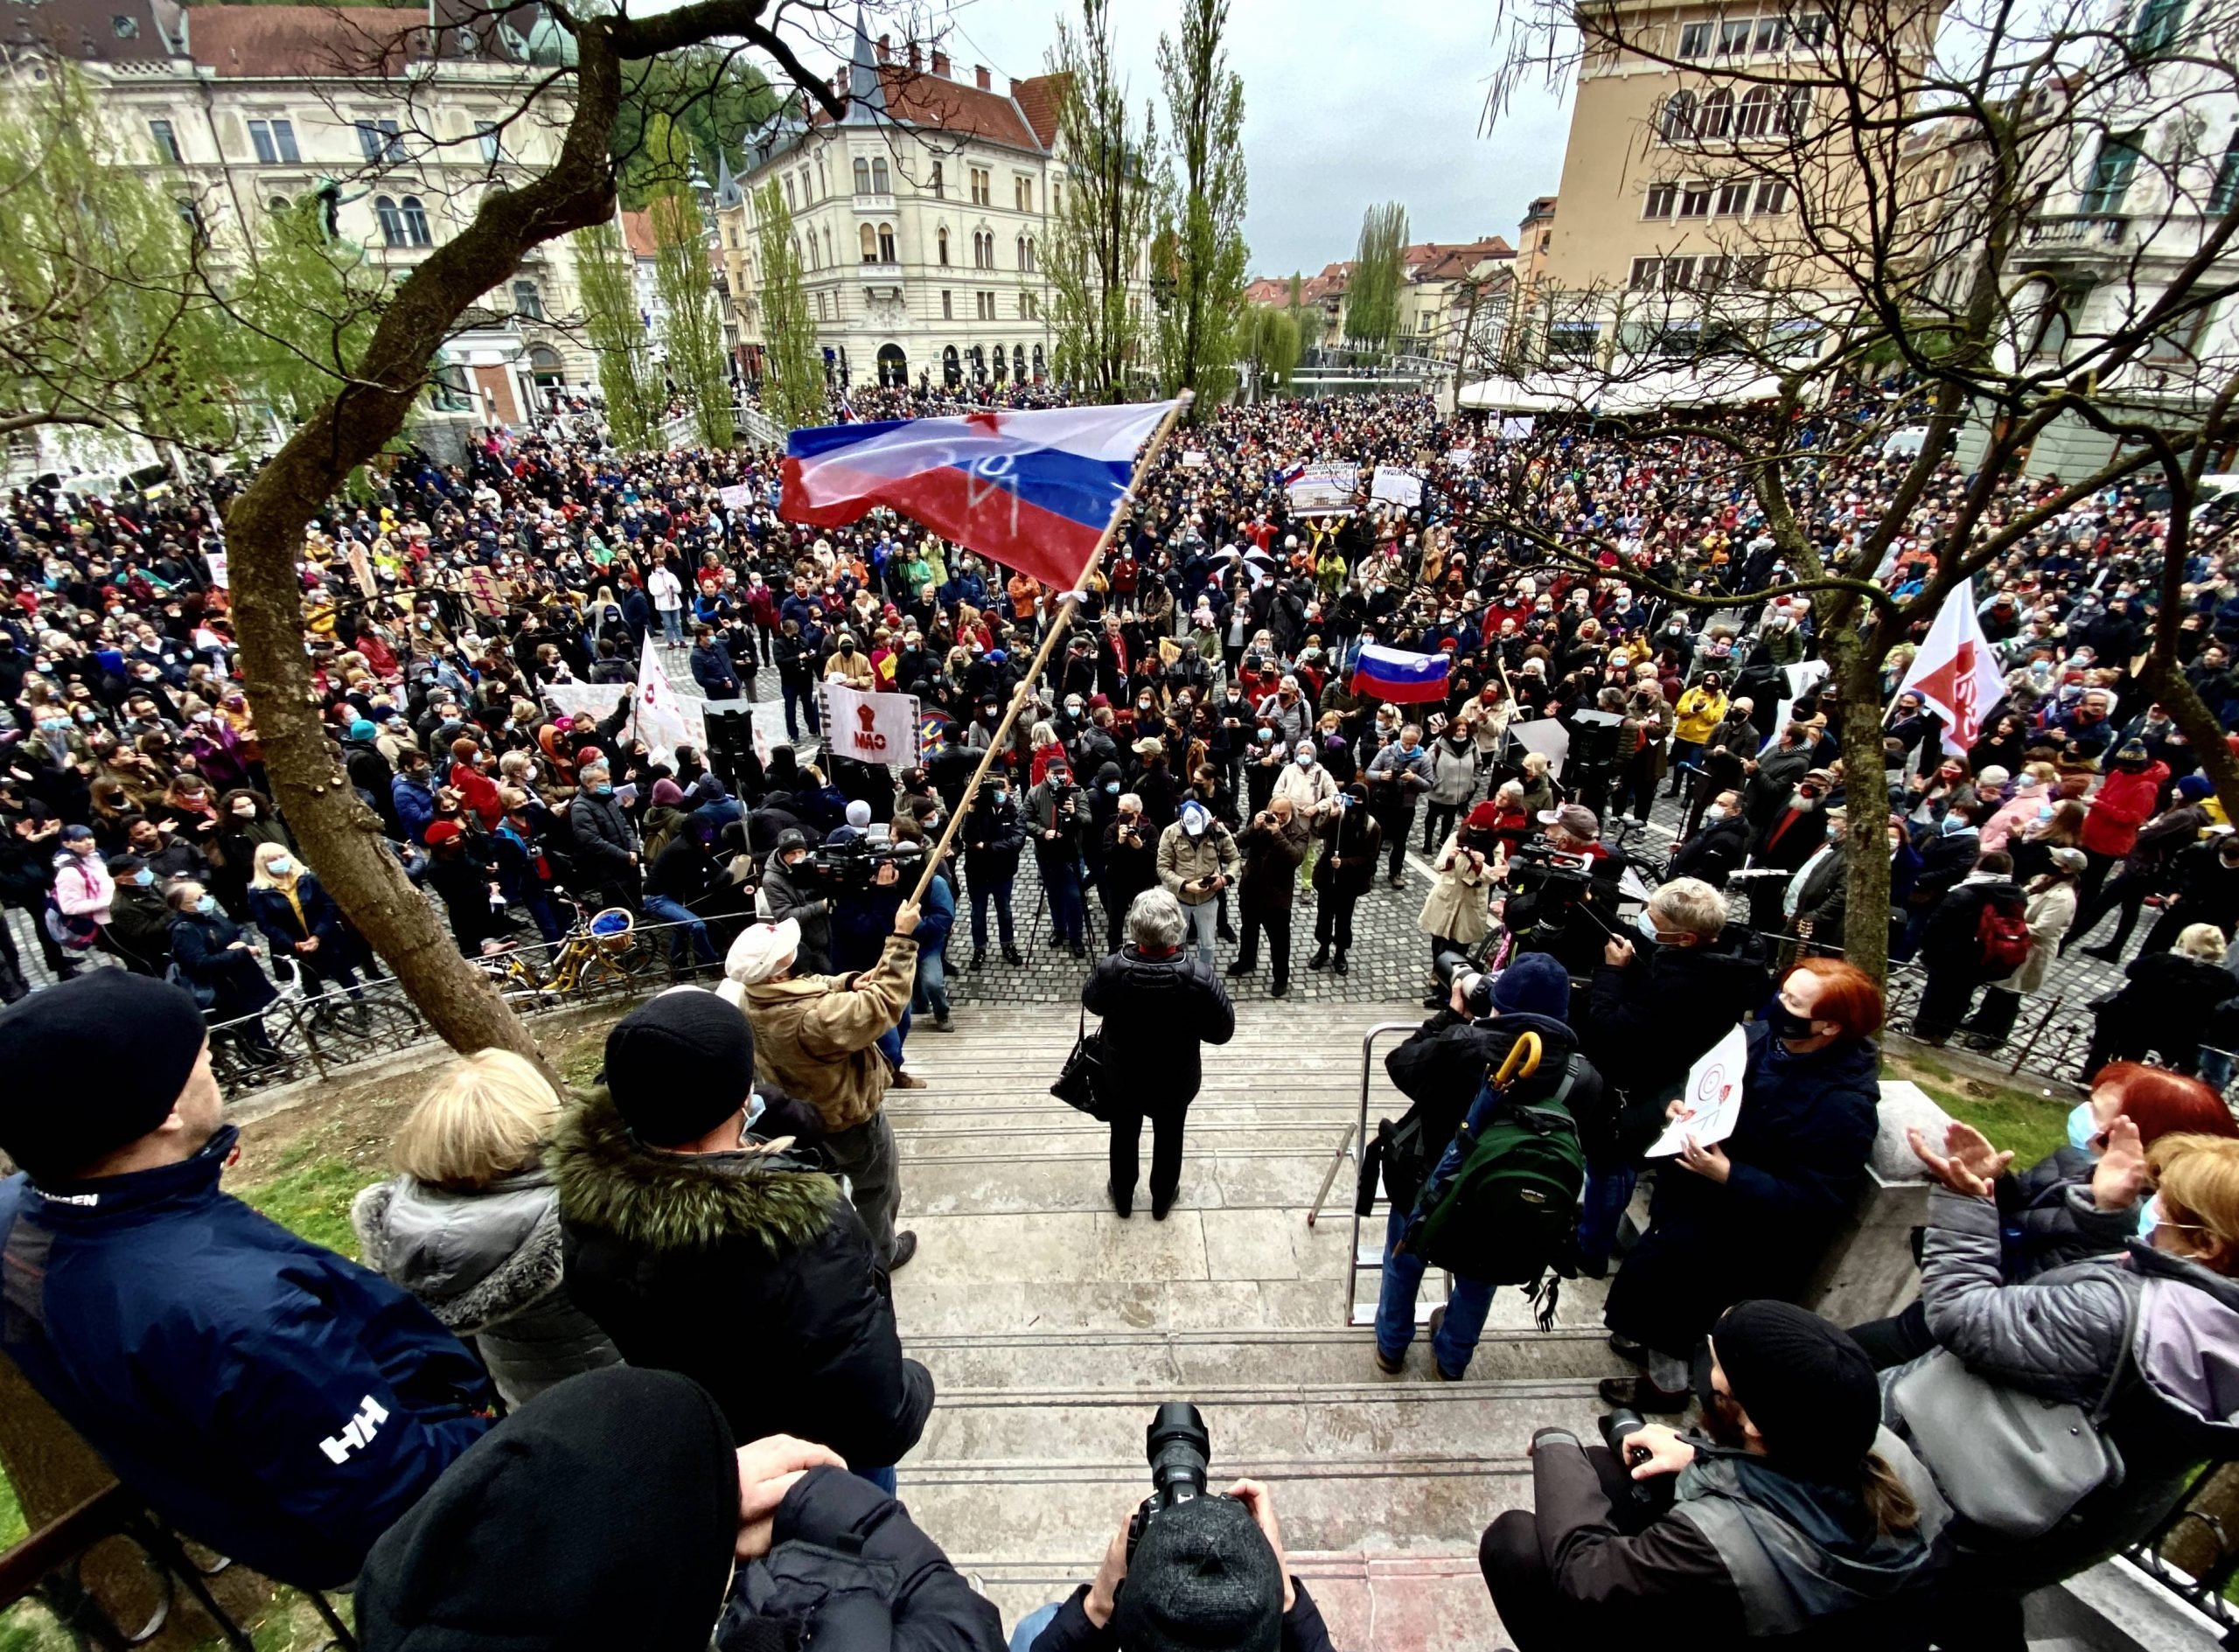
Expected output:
(1067, 602)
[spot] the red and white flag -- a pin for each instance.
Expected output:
(663, 720)
(1954, 673)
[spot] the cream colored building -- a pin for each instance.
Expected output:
(250, 108)
(923, 219)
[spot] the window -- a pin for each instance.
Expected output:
(491, 141)
(1030, 306)
(1678, 122)
(934, 184)
(1772, 33)
(941, 240)
(1733, 38)
(1023, 194)
(829, 257)
(391, 222)
(1754, 118)
(871, 244)
(983, 188)
(1772, 197)
(191, 215)
(379, 141)
(881, 185)
(789, 203)
(1716, 117)
(1694, 39)
(1029, 254)
(2111, 172)
(274, 140)
(1734, 199)
(987, 311)
(2226, 193)
(124, 27)
(1748, 272)
(1812, 31)
(1646, 272)
(862, 176)
(1018, 362)
(277, 205)
(415, 222)
(1018, 252)
(2156, 28)
(528, 304)
(166, 140)
(886, 243)
(1662, 199)
(948, 304)
(1572, 340)
(1666, 274)
(1709, 275)
(1695, 201)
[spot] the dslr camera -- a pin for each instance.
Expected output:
(1179, 1450)
(1477, 986)
(852, 868)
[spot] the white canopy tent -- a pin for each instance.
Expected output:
(1698, 385)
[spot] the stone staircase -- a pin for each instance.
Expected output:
(1052, 1327)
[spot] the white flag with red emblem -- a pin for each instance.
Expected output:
(664, 721)
(1955, 674)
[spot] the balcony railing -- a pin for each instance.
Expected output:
(2077, 232)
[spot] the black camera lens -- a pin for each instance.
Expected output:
(1179, 1449)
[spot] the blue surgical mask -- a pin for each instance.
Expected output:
(1646, 925)
(143, 877)
(206, 905)
(2083, 1128)
(602, 790)
(281, 866)
(2149, 1218)
(1112, 788)
(1306, 760)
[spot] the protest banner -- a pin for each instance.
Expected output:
(1399, 484)
(1323, 489)
(870, 728)
(1711, 1099)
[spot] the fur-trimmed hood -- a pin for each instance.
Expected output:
(475, 1260)
(676, 1201)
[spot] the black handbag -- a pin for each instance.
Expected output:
(1078, 1083)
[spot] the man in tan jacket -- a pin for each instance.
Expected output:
(816, 1038)
(1197, 859)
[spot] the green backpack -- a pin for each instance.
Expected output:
(1504, 1207)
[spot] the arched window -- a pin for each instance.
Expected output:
(391, 222)
(879, 181)
(944, 246)
(789, 203)
(1038, 368)
(1796, 114)
(1018, 363)
(1755, 118)
(886, 243)
(1019, 252)
(829, 257)
(1029, 253)
(862, 176)
(952, 368)
(277, 205)
(415, 222)
(871, 244)
(1679, 117)
(1716, 118)
(1000, 366)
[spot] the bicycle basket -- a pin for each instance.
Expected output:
(610, 929)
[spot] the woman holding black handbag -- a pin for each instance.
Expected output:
(1159, 1004)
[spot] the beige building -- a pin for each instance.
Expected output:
(247, 109)
(923, 220)
(1452, 290)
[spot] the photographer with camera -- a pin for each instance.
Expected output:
(816, 1039)
(787, 895)
(1655, 1007)
(994, 833)
(1799, 1521)
(1056, 815)
(1563, 893)
(1188, 1568)
(1398, 776)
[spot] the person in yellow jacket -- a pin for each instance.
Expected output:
(1700, 710)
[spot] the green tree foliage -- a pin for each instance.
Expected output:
(692, 328)
(305, 313)
(793, 386)
(1201, 207)
(1372, 295)
(1097, 233)
(1271, 339)
(708, 93)
(606, 275)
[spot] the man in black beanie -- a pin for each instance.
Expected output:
(606, 1516)
(1208, 1575)
(268, 1397)
(1799, 1516)
(701, 1247)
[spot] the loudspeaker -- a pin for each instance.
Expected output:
(730, 742)
(1593, 739)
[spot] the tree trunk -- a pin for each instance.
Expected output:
(1865, 863)
(2181, 700)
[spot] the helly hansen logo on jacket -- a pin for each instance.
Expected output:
(358, 1433)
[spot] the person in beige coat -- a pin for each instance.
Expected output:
(1197, 859)
(1454, 914)
(2048, 909)
(816, 1038)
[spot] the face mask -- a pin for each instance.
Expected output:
(1112, 788)
(1306, 760)
(2149, 1218)
(206, 905)
(2082, 1128)
(1646, 925)
(281, 866)
(1000, 796)
(1788, 1024)
(603, 791)
(143, 877)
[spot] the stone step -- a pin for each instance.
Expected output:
(1228, 1169)
(1415, 1601)
(1177, 1364)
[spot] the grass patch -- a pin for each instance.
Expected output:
(309, 1193)
(2018, 1119)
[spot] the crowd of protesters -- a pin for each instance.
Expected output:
(719, 1212)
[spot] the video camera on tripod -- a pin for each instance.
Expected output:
(852, 868)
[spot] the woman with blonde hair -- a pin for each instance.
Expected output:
(302, 923)
(472, 1225)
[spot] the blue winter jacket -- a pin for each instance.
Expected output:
(268, 1397)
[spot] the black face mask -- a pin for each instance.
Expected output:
(1789, 1025)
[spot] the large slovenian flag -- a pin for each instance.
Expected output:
(1034, 490)
(1391, 673)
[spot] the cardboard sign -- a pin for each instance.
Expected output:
(1400, 484)
(217, 560)
(1712, 1098)
(736, 497)
(1324, 489)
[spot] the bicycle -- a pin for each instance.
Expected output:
(601, 950)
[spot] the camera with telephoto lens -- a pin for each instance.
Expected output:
(1617, 1430)
(1179, 1450)
(1477, 986)
(852, 868)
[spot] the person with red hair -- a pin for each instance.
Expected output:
(1750, 1216)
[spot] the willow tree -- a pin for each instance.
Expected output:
(793, 371)
(1098, 230)
(1372, 290)
(1201, 204)
(615, 329)
(692, 328)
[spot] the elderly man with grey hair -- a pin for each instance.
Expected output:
(607, 845)
(1160, 1003)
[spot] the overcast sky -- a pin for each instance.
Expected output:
(1346, 102)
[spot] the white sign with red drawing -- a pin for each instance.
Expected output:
(1712, 1101)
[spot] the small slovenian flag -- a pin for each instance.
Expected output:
(1389, 673)
(1033, 489)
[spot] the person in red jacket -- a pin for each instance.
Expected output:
(476, 791)
(2126, 800)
